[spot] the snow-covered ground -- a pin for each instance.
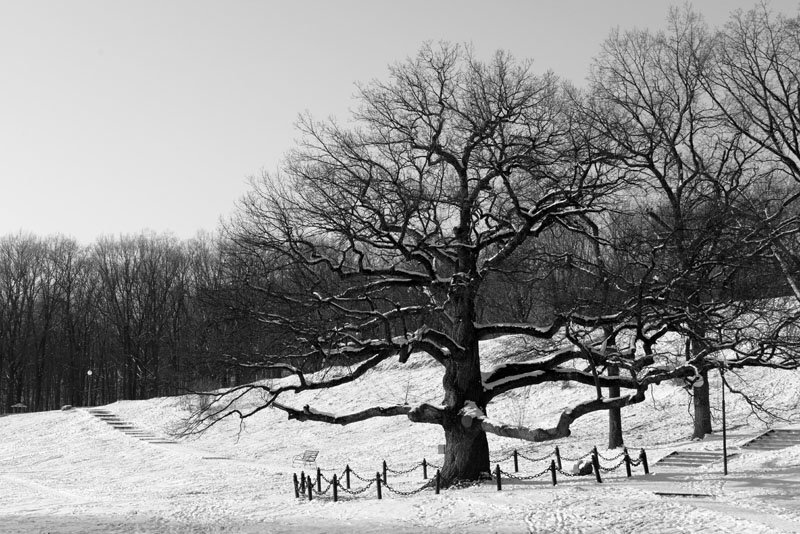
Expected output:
(67, 471)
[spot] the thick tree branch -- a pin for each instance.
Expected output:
(309, 414)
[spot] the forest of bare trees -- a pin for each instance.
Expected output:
(127, 310)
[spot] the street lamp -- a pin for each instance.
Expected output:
(724, 423)
(89, 375)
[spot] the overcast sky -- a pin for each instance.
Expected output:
(120, 116)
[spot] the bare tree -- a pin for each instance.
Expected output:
(650, 105)
(756, 84)
(379, 237)
(450, 168)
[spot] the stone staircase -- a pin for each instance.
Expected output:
(774, 439)
(690, 458)
(128, 428)
(771, 440)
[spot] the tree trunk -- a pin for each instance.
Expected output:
(702, 409)
(614, 414)
(700, 397)
(466, 446)
(466, 450)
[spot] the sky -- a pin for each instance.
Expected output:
(123, 116)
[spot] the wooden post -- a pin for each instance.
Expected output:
(310, 487)
(516, 462)
(438, 481)
(347, 476)
(553, 470)
(497, 475)
(296, 486)
(303, 483)
(319, 480)
(378, 483)
(643, 458)
(558, 458)
(627, 462)
(384, 472)
(424, 469)
(596, 465)
(335, 489)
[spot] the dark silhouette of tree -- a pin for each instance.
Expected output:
(377, 240)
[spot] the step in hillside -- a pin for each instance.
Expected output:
(128, 428)
(773, 440)
(690, 459)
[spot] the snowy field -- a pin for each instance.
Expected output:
(67, 471)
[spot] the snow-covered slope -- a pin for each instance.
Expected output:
(70, 472)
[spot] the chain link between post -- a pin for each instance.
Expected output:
(526, 477)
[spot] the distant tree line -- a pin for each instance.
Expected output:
(119, 319)
(151, 315)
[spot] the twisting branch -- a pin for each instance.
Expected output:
(561, 430)
(309, 414)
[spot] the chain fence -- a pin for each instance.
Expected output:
(359, 477)
(405, 471)
(526, 477)
(420, 489)
(358, 491)
(539, 459)
(308, 488)
(502, 458)
(576, 459)
(613, 468)
(613, 458)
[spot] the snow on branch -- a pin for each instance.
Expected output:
(533, 377)
(309, 414)
(424, 413)
(561, 430)
(492, 331)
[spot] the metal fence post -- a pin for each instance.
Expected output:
(335, 489)
(627, 461)
(596, 465)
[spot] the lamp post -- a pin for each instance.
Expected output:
(89, 379)
(724, 422)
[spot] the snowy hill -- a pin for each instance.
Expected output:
(71, 472)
